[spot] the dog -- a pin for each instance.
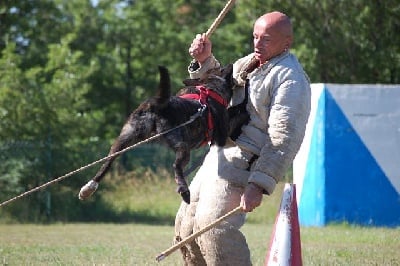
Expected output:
(203, 101)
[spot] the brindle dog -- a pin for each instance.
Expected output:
(207, 99)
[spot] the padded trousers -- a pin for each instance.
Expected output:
(213, 194)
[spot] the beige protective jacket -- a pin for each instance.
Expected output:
(279, 106)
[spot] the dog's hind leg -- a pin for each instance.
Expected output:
(182, 158)
(123, 140)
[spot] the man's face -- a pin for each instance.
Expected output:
(268, 41)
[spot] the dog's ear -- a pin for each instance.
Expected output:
(227, 70)
(164, 87)
(191, 82)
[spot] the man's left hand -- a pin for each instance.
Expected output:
(251, 197)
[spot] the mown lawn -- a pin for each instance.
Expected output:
(135, 244)
(138, 244)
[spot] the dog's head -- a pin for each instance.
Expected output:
(219, 80)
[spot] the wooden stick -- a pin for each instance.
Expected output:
(221, 15)
(190, 238)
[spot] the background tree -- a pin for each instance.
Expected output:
(71, 72)
(346, 42)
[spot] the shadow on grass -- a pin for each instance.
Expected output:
(69, 209)
(101, 211)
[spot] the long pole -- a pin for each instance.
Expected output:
(190, 238)
(58, 179)
(220, 17)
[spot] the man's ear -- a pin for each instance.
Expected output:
(289, 41)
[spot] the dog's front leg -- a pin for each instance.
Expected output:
(182, 158)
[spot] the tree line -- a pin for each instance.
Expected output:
(71, 71)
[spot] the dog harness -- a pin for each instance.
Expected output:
(202, 97)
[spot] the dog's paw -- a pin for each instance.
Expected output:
(186, 196)
(183, 190)
(88, 189)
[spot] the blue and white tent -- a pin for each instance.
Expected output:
(348, 168)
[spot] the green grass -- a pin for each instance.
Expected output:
(133, 244)
(153, 196)
(150, 197)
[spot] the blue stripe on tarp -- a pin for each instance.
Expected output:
(356, 188)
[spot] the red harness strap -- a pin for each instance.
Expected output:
(202, 97)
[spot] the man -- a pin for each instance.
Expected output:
(242, 171)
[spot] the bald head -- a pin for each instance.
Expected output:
(277, 21)
(273, 34)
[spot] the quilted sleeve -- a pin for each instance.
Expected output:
(288, 116)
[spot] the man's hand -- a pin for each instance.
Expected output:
(251, 197)
(200, 49)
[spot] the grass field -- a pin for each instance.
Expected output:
(138, 244)
(133, 244)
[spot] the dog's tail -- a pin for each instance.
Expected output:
(164, 88)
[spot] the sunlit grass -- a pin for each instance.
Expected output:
(153, 196)
(150, 194)
(133, 244)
